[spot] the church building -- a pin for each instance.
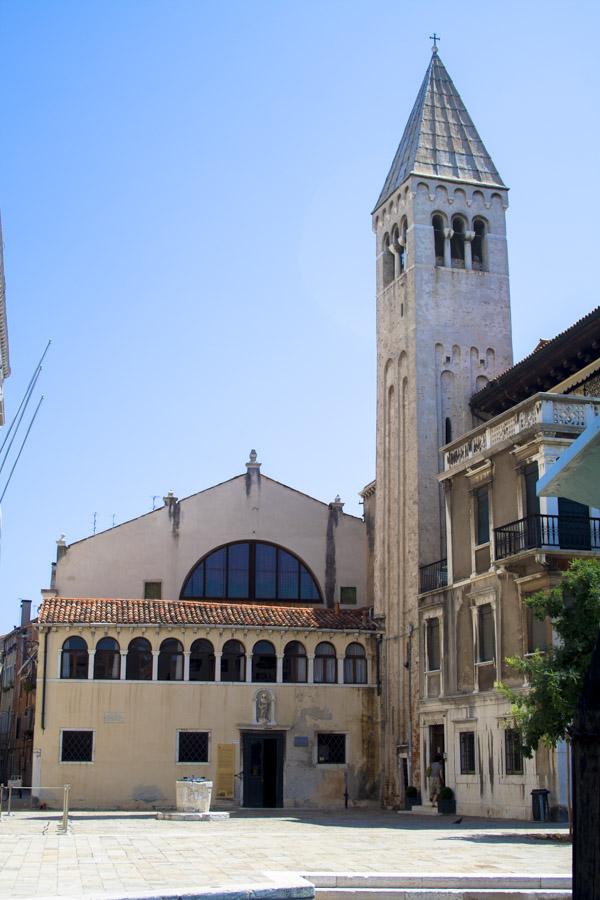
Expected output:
(302, 657)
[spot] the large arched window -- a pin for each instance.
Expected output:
(355, 664)
(478, 245)
(251, 570)
(170, 660)
(294, 663)
(139, 660)
(232, 661)
(202, 661)
(457, 243)
(325, 664)
(439, 239)
(74, 658)
(264, 662)
(107, 659)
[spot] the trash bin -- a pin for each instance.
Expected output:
(540, 807)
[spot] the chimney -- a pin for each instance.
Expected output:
(25, 612)
(61, 548)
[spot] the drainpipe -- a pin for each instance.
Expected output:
(408, 664)
(43, 721)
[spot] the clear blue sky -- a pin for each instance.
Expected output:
(185, 192)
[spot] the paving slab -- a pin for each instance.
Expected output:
(119, 854)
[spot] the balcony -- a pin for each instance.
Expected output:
(433, 576)
(543, 532)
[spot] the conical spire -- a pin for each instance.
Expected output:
(440, 139)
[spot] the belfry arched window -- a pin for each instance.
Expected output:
(107, 659)
(478, 245)
(74, 658)
(389, 263)
(438, 239)
(251, 570)
(457, 243)
(402, 242)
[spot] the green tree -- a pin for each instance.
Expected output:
(546, 710)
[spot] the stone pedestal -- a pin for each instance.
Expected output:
(193, 796)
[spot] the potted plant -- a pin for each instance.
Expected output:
(411, 797)
(446, 801)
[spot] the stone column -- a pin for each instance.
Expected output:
(186, 665)
(340, 669)
(218, 655)
(447, 254)
(59, 664)
(123, 674)
(310, 670)
(91, 656)
(279, 675)
(248, 668)
(155, 655)
(469, 235)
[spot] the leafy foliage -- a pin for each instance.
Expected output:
(545, 711)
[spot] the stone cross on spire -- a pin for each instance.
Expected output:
(435, 38)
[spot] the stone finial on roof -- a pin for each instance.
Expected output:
(252, 463)
(337, 503)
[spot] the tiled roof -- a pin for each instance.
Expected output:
(90, 610)
(440, 139)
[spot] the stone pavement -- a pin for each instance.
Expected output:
(112, 853)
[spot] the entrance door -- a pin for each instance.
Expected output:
(263, 768)
(436, 742)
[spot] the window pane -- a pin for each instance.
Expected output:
(193, 746)
(288, 577)
(487, 648)
(331, 748)
(483, 517)
(537, 633)
(348, 596)
(152, 590)
(266, 561)
(215, 574)
(513, 752)
(433, 645)
(308, 588)
(77, 746)
(467, 753)
(237, 569)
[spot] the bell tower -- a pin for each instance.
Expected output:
(443, 331)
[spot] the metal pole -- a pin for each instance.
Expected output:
(65, 817)
(1, 798)
(8, 809)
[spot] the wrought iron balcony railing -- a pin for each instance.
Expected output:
(539, 531)
(433, 576)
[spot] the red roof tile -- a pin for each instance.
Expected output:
(89, 610)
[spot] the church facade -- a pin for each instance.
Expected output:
(250, 659)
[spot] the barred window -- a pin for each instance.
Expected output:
(77, 746)
(467, 752)
(331, 748)
(192, 747)
(514, 752)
